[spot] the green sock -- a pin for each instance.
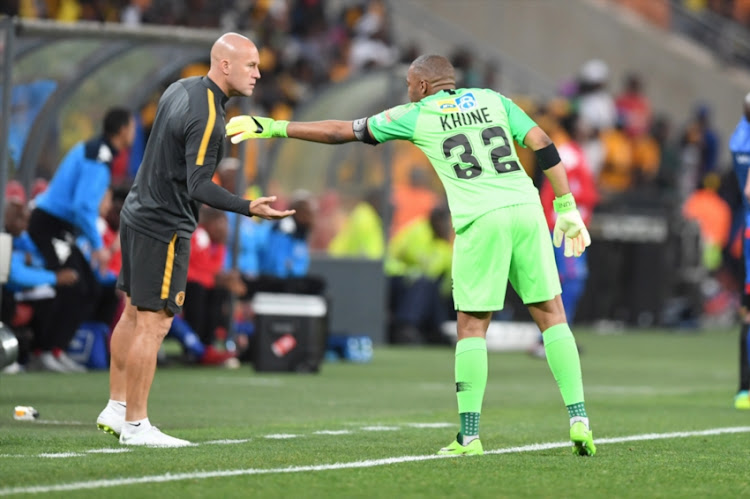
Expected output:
(469, 425)
(563, 360)
(577, 410)
(471, 380)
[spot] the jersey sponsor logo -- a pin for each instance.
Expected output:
(742, 159)
(447, 106)
(466, 102)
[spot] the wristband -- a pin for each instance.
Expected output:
(278, 129)
(564, 203)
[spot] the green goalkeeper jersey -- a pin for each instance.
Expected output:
(467, 134)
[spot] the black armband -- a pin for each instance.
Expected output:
(362, 132)
(547, 156)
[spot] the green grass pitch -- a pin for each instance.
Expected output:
(281, 435)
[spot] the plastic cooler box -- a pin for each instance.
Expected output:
(291, 332)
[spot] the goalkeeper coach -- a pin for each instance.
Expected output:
(501, 232)
(157, 220)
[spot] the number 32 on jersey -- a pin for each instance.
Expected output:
(458, 147)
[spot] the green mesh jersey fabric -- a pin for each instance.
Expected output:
(467, 134)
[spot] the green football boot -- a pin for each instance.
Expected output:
(474, 448)
(583, 440)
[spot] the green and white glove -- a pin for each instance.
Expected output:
(569, 225)
(250, 127)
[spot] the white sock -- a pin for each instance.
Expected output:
(576, 419)
(117, 406)
(137, 426)
(468, 439)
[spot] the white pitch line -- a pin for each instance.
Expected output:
(52, 421)
(332, 432)
(280, 436)
(648, 390)
(226, 441)
(58, 455)
(174, 477)
(430, 425)
(380, 428)
(108, 451)
(259, 382)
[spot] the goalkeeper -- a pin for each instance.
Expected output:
(501, 232)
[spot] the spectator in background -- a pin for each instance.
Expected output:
(208, 288)
(132, 14)
(700, 150)
(30, 284)
(362, 234)
(105, 301)
(573, 272)
(371, 46)
(70, 205)
(106, 309)
(412, 201)
(245, 236)
(284, 255)
(111, 234)
(714, 217)
(739, 146)
(646, 161)
(418, 266)
(634, 107)
(596, 106)
(617, 173)
(709, 140)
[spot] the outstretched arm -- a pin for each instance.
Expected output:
(325, 132)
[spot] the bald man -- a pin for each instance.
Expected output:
(739, 146)
(157, 221)
(501, 233)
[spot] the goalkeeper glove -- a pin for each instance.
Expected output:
(249, 127)
(570, 226)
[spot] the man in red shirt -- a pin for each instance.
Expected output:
(208, 287)
(573, 271)
(634, 107)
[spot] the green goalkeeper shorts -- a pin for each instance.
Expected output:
(511, 243)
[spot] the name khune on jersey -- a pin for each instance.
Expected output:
(455, 120)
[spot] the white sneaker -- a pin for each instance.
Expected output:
(109, 421)
(70, 364)
(152, 437)
(45, 361)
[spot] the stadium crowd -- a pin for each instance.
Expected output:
(620, 151)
